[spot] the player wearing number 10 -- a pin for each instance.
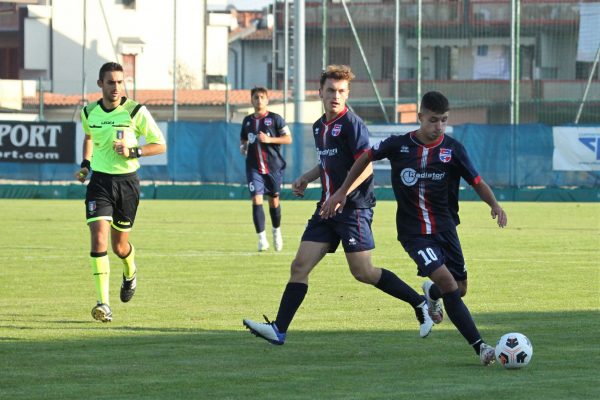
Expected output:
(427, 166)
(261, 137)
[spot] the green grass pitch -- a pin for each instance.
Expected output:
(181, 337)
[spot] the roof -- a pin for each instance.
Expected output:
(185, 97)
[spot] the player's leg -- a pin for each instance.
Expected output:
(307, 257)
(273, 187)
(256, 186)
(124, 218)
(98, 205)
(100, 268)
(317, 240)
(354, 229)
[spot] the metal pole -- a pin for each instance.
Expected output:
(513, 20)
(589, 83)
(83, 46)
(324, 35)
(274, 48)
(396, 60)
(174, 60)
(286, 55)
(364, 57)
(299, 56)
(517, 61)
(419, 34)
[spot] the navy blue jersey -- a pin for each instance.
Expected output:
(426, 179)
(262, 156)
(339, 142)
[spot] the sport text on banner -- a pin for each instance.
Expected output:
(576, 148)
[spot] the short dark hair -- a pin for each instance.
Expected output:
(258, 89)
(436, 102)
(337, 72)
(108, 67)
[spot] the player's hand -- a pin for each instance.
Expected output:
(333, 205)
(263, 137)
(82, 174)
(121, 149)
(298, 187)
(244, 149)
(498, 212)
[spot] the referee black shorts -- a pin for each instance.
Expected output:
(113, 198)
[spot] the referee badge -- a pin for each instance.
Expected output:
(92, 207)
(120, 134)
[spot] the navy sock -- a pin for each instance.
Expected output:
(394, 286)
(292, 298)
(258, 216)
(275, 216)
(434, 292)
(461, 317)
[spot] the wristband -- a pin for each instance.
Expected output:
(86, 164)
(135, 152)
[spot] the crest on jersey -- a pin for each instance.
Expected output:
(268, 121)
(337, 128)
(120, 134)
(445, 155)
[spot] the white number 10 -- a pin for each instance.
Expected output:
(429, 257)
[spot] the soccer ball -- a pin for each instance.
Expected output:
(514, 350)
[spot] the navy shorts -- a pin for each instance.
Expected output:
(269, 184)
(352, 227)
(113, 198)
(430, 252)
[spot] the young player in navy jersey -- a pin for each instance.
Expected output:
(426, 170)
(340, 137)
(262, 135)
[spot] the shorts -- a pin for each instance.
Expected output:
(269, 184)
(430, 252)
(352, 227)
(113, 198)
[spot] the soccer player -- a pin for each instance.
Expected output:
(340, 137)
(262, 135)
(427, 166)
(112, 126)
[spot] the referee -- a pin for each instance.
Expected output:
(112, 127)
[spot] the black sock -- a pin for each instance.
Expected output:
(434, 292)
(275, 216)
(258, 216)
(394, 286)
(292, 298)
(461, 317)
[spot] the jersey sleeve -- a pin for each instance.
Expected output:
(464, 165)
(281, 126)
(243, 131)
(146, 126)
(84, 122)
(382, 149)
(358, 140)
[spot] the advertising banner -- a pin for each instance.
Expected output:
(576, 148)
(37, 142)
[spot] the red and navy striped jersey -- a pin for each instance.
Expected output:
(339, 142)
(263, 157)
(426, 180)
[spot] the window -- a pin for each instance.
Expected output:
(9, 63)
(583, 69)
(339, 55)
(127, 4)
(387, 62)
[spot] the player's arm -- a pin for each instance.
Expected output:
(300, 184)
(360, 171)
(85, 166)
(285, 138)
(155, 141)
(486, 194)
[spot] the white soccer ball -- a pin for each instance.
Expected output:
(514, 350)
